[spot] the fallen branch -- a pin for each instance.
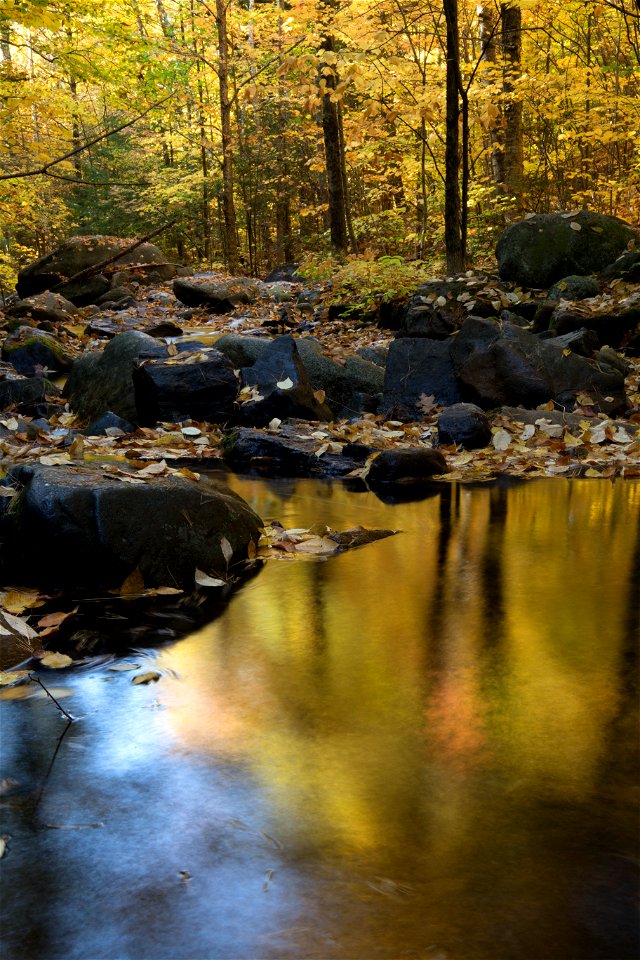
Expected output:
(32, 676)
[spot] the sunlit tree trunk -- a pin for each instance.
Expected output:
(512, 53)
(488, 24)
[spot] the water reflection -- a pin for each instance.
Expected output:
(431, 741)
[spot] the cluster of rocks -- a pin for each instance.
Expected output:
(469, 345)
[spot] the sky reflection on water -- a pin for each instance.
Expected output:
(424, 748)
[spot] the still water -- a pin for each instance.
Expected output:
(426, 748)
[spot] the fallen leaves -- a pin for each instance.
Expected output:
(278, 543)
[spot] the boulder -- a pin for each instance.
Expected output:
(574, 288)
(108, 424)
(103, 380)
(291, 451)
(31, 350)
(188, 386)
(281, 388)
(418, 368)
(626, 267)
(503, 365)
(615, 327)
(44, 307)
(79, 253)
(22, 394)
(82, 528)
(582, 341)
(464, 424)
(542, 249)
(406, 465)
(242, 350)
(219, 296)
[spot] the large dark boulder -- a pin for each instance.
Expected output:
(542, 249)
(502, 364)
(31, 351)
(79, 253)
(280, 387)
(217, 296)
(574, 288)
(418, 368)
(81, 528)
(103, 380)
(189, 386)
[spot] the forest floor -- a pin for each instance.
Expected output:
(582, 443)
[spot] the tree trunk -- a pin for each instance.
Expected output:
(333, 153)
(512, 52)
(228, 204)
(453, 232)
(488, 25)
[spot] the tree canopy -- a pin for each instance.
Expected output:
(275, 129)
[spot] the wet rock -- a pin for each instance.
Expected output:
(574, 288)
(189, 386)
(540, 250)
(418, 368)
(79, 253)
(291, 452)
(103, 380)
(582, 341)
(283, 390)
(81, 528)
(626, 267)
(108, 424)
(466, 425)
(218, 297)
(114, 294)
(614, 327)
(286, 272)
(501, 365)
(243, 351)
(31, 350)
(378, 354)
(165, 328)
(398, 466)
(44, 307)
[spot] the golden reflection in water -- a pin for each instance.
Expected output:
(376, 695)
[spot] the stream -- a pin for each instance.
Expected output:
(425, 748)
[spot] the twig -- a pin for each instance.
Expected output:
(37, 679)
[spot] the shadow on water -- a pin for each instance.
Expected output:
(423, 749)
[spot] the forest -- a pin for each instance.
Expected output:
(260, 132)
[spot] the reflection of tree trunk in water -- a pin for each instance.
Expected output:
(491, 569)
(449, 516)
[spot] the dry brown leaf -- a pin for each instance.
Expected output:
(133, 585)
(56, 661)
(143, 678)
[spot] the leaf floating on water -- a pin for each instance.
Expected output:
(12, 676)
(56, 661)
(124, 667)
(151, 677)
(285, 384)
(3, 844)
(184, 875)
(204, 580)
(53, 621)
(321, 546)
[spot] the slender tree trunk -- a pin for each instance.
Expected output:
(228, 204)
(512, 52)
(453, 227)
(333, 152)
(488, 24)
